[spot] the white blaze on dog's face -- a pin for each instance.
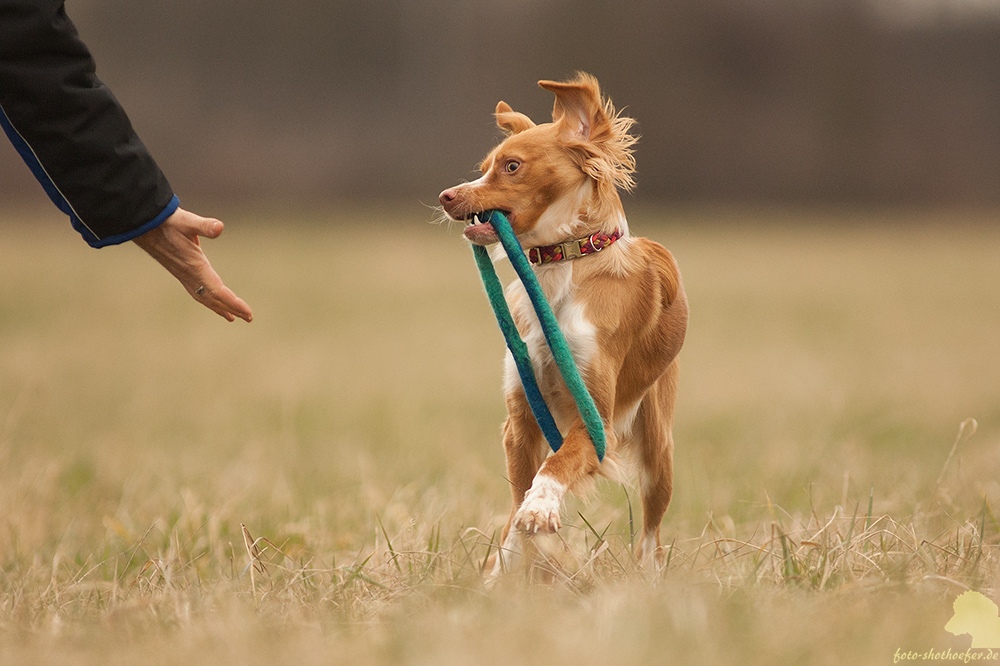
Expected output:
(563, 167)
(523, 176)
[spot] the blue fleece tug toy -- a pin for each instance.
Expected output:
(553, 336)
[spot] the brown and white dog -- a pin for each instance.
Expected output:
(618, 300)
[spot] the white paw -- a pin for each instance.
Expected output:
(539, 512)
(507, 558)
(646, 553)
(650, 555)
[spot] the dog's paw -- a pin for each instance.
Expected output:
(507, 557)
(649, 553)
(539, 512)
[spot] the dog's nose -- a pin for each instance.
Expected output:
(447, 196)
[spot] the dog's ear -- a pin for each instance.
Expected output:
(510, 121)
(578, 109)
(596, 135)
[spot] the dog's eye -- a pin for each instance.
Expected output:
(512, 166)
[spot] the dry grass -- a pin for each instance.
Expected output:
(324, 485)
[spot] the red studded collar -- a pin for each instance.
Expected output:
(573, 249)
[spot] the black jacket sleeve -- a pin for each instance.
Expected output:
(71, 131)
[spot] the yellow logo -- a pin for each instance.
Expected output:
(978, 616)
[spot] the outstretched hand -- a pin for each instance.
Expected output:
(176, 246)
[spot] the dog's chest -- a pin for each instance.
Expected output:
(571, 315)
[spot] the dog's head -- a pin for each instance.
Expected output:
(553, 180)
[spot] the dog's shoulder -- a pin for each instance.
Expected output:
(658, 261)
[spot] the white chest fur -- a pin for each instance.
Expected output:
(557, 284)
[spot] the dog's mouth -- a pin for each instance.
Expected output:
(479, 231)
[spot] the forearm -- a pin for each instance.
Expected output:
(71, 130)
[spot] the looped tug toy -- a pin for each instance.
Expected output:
(553, 336)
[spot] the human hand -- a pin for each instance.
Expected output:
(176, 246)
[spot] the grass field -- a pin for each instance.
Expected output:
(827, 508)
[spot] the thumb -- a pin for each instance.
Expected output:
(193, 224)
(210, 228)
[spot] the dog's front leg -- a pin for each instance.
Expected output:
(575, 461)
(525, 449)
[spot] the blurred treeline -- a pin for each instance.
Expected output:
(833, 101)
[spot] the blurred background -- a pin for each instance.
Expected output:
(802, 101)
(825, 171)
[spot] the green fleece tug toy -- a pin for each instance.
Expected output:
(553, 336)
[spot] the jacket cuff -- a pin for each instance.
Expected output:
(118, 239)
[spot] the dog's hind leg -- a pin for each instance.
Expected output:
(656, 454)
